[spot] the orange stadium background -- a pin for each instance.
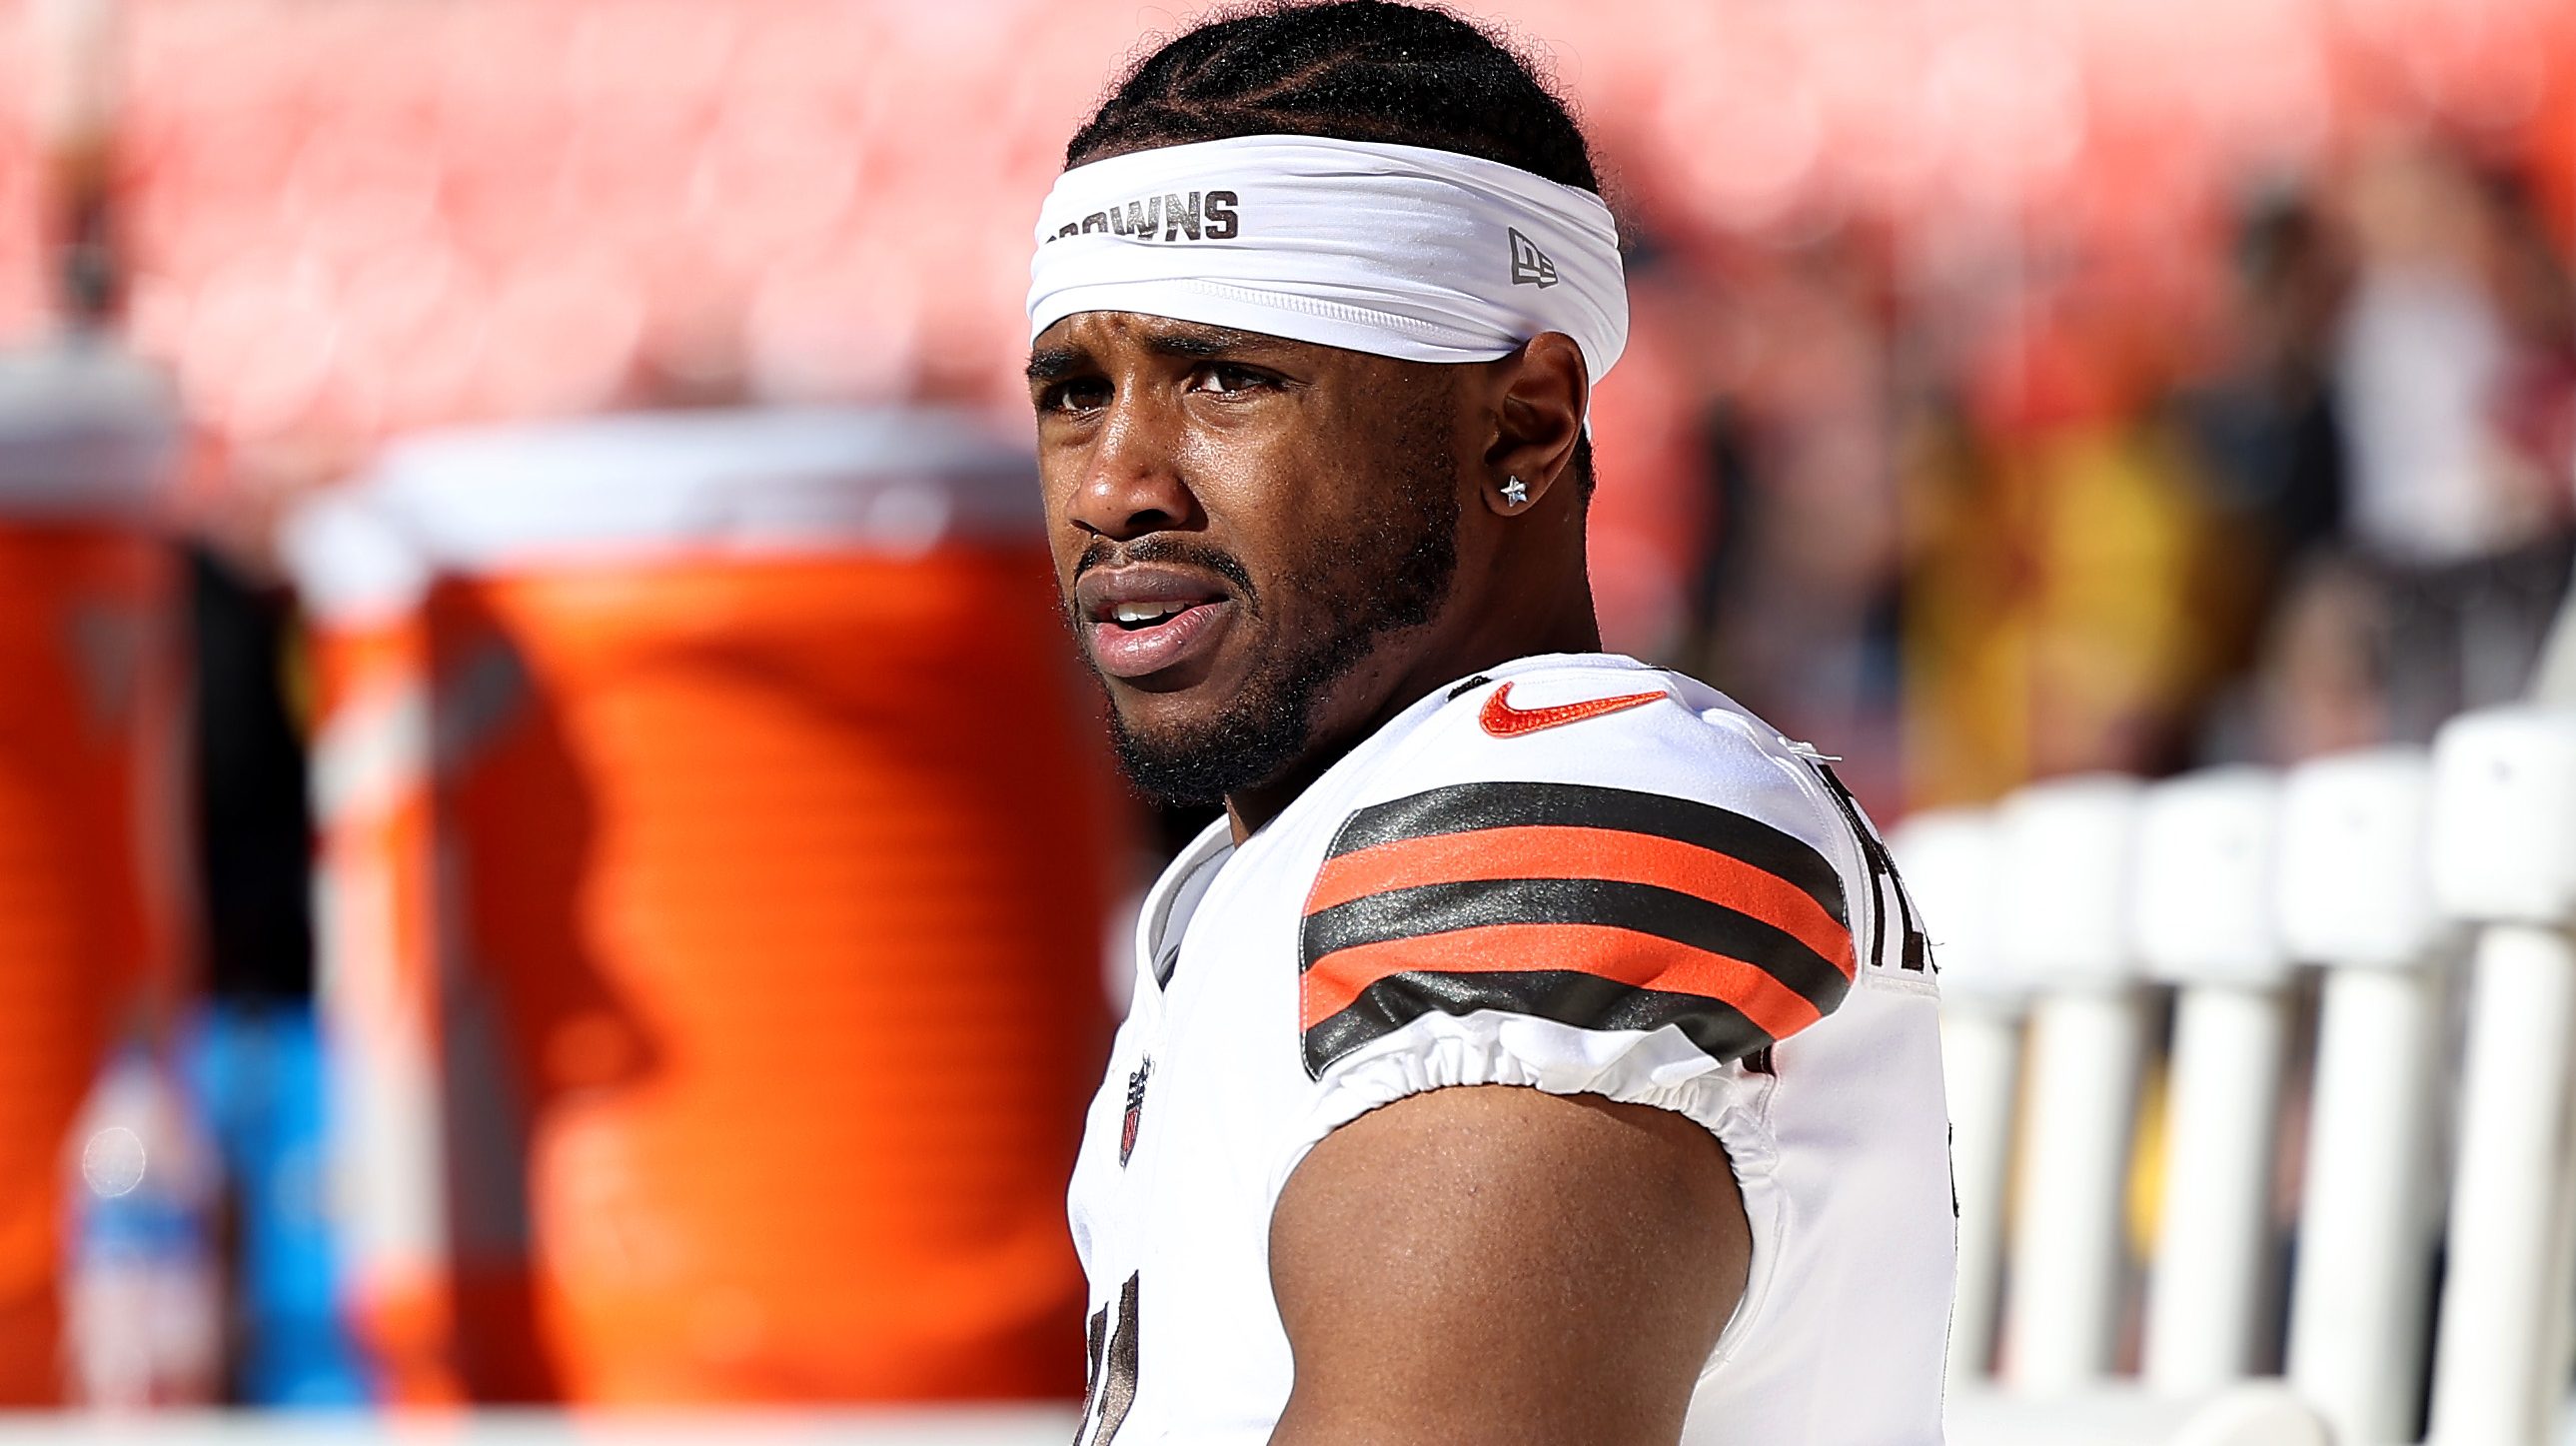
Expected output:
(547, 794)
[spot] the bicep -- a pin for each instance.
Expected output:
(1497, 1265)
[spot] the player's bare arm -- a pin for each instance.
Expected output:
(1492, 1267)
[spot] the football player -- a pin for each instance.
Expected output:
(1540, 1049)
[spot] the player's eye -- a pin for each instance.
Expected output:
(1074, 394)
(1227, 379)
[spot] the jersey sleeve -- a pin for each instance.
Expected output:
(1636, 906)
(1597, 907)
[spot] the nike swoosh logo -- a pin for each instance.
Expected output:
(1505, 721)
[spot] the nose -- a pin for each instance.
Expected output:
(1130, 482)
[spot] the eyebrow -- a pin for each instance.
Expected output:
(1055, 363)
(1199, 343)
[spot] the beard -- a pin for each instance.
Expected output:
(1390, 574)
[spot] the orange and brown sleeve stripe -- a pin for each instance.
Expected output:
(1601, 908)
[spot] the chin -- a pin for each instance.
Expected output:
(1170, 717)
(1198, 749)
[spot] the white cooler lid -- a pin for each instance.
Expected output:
(885, 481)
(87, 432)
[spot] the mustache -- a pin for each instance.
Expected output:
(1101, 552)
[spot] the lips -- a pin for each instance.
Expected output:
(1145, 619)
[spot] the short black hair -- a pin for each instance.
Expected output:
(1354, 70)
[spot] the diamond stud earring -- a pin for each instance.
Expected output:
(1515, 491)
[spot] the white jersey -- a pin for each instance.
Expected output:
(1575, 873)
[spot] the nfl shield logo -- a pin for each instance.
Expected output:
(1135, 1108)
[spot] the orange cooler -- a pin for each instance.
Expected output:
(90, 749)
(764, 868)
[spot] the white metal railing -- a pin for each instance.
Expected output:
(2063, 917)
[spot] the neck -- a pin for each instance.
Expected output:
(1566, 626)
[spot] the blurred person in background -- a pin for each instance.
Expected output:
(2264, 427)
(2069, 594)
(2454, 381)
(1798, 596)
(256, 1064)
(1530, 1006)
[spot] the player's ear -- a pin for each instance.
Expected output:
(1539, 398)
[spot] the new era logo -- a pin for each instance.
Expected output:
(1530, 266)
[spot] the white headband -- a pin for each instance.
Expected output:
(1398, 251)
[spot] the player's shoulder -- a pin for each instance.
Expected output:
(1600, 740)
(1589, 841)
